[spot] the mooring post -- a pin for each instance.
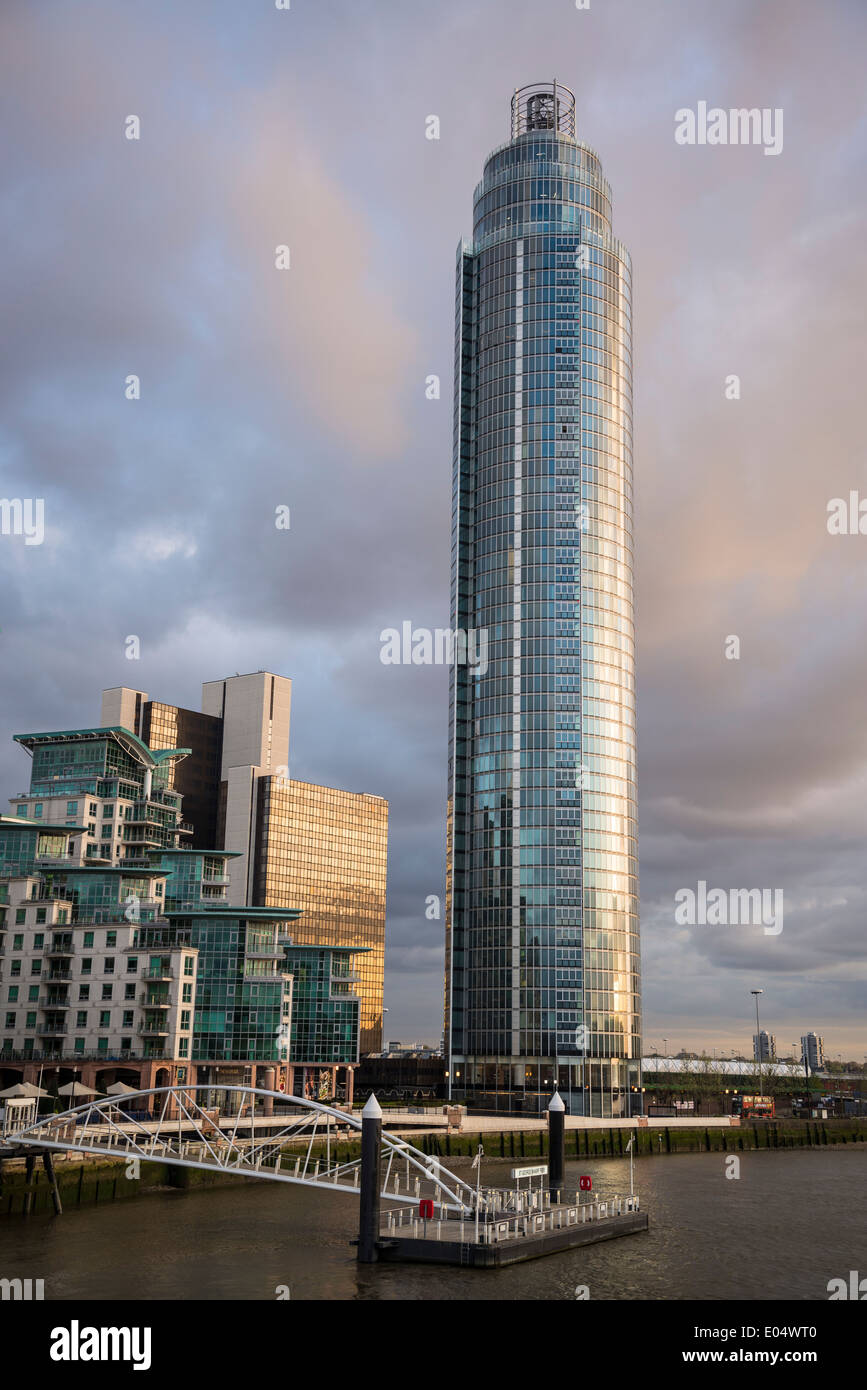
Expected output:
(48, 1165)
(371, 1140)
(556, 1146)
(29, 1164)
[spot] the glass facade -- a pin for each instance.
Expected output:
(542, 972)
(325, 852)
(176, 973)
(197, 777)
(325, 1010)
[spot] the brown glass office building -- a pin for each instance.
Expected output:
(325, 851)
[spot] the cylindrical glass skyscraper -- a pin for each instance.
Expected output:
(542, 953)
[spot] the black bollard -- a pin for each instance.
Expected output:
(371, 1139)
(48, 1165)
(556, 1146)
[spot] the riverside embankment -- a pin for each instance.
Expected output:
(85, 1181)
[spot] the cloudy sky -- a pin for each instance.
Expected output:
(305, 388)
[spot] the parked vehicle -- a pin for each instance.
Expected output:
(754, 1107)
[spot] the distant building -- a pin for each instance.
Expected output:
(764, 1047)
(813, 1050)
(402, 1074)
(321, 849)
(326, 852)
(197, 776)
(121, 957)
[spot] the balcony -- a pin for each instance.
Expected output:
(54, 1001)
(60, 950)
(155, 1001)
(154, 1029)
(52, 1028)
(56, 1055)
(264, 955)
(158, 972)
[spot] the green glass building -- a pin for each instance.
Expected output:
(118, 945)
(542, 951)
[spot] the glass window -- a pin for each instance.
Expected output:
(20, 915)
(108, 966)
(72, 808)
(88, 940)
(81, 1018)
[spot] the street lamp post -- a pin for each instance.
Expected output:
(755, 993)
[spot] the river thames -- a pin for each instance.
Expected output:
(790, 1223)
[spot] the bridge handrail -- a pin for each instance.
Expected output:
(54, 1131)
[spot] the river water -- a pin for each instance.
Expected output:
(791, 1222)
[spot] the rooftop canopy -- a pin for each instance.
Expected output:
(22, 823)
(128, 741)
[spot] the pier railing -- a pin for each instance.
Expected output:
(496, 1224)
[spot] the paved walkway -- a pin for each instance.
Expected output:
(400, 1122)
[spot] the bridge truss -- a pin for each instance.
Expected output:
(183, 1131)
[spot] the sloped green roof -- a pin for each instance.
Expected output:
(131, 742)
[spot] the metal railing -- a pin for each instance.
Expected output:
(497, 1227)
